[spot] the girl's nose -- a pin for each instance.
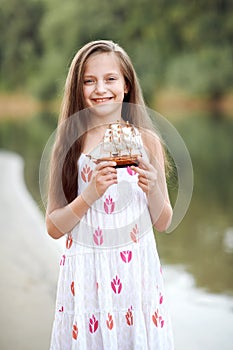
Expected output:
(100, 87)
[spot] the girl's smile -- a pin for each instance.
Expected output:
(101, 100)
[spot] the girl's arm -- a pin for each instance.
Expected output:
(152, 180)
(62, 220)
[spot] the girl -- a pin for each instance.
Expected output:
(110, 289)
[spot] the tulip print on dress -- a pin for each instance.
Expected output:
(126, 255)
(109, 205)
(98, 236)
(157, 319)
(61, 309)
(72, 288)
(130, 171)
(134, 234)
(86, 173)
(116, 285)
(62, 261)
(129, 316)
(160, 298)
(69, 241)
(75, 331)
(109, 322)
(93, 324)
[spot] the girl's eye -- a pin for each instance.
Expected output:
(89, 81)
(111, 79)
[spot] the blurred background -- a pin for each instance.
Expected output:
(183, 53)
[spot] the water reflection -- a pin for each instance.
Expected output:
(203, 242)
(199, 243)
(200, 320)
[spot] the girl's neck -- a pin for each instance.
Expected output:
(93, 138)
(106, 114)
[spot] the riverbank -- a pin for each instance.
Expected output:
(29, 262)
(171, 103)
(21, 106)
(177, 104)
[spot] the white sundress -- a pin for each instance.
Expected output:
(110, 292)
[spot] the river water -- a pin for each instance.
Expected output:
(198, 256)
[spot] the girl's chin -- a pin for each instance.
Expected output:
(107, 109)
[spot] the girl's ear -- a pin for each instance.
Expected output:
(126, 89)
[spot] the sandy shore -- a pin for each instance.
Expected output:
(29, 263)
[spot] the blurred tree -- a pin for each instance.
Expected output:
(208, 72)
(169, 42)
(20, 44)
(203, 65)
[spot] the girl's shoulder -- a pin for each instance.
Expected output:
(151, 141)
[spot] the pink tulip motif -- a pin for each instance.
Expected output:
(72, 288)
(129, 316)
(126, 255)
(130, 171)
(134, 234)
(86, 173)
(75, 331)
(62, 261)
(98, 236)
(157, 319)
(93, 324)
(160, 298)
(69, 241)
(109, 205)
(116, 285)
(109, 321)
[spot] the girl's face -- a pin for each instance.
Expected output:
(104, 82)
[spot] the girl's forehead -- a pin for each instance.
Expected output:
(103, 61)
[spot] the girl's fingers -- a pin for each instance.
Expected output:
(139, 171)
(105, 171)
(109, 177)
(103, 165)
(143, 180)
(106, 178)
(147, 175)
(143, 164)
(110, 170)
(143, 187)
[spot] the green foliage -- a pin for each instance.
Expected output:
(169, 42)
(206, 73)
(20, 44)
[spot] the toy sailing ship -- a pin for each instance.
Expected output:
(122, 143)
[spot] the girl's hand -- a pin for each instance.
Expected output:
(104, 175)
(147, 176)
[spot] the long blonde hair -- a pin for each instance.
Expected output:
(64, 169)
